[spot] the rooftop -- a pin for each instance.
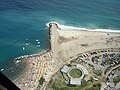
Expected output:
(65, 69)
(75, 81)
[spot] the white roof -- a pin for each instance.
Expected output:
(83, 68)
(65, 69)
(75, 81)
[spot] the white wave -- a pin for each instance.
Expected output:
(78, 28)
(47, 24)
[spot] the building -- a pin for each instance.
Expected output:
(65, 69)
(75, 81)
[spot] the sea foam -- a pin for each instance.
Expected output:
(78, 28)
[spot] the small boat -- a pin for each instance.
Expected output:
(27, 44)
(38, 45)
(23, 48)
(37, 40)
(2, 69)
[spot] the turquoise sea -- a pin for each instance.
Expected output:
(24, 21)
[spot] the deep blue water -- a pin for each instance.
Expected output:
(21, 19)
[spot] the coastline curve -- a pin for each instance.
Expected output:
(78, 28)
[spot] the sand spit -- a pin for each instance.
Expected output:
(67, 43)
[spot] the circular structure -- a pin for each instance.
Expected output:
(75, 73)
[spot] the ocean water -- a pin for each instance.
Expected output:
(26, 19)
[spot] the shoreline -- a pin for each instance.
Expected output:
(24, 59)
(36, 68)
(61, 26)
(31, 55)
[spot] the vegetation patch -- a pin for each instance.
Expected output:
(58, 83)
(97, 72)
(41, 81)
(95, 87)
(69, 65)
(116, 79)
(75, 73)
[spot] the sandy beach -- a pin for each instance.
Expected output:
(66, 44)
(70, 42)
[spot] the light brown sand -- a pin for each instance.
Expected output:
(68, 42)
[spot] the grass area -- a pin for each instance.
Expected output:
(116, 79)
(41, 81)
(69, 65)
(97, 72)
(95, 87)
(58, 83)
(75, 73)
(108, 61)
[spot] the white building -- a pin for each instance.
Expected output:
(65, 69)
(75, 81)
